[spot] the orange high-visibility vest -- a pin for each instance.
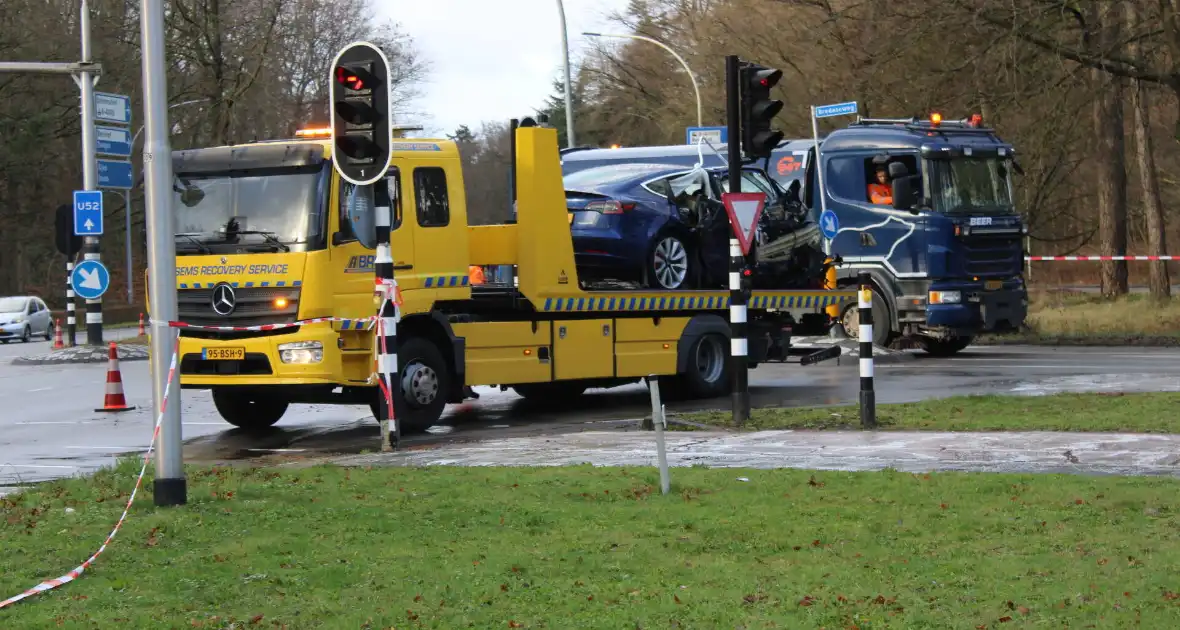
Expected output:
(475, 274)
(880, 194)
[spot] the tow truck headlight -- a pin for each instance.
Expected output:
(301, 352)
(945, 297)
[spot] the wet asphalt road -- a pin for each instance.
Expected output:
(48, 426)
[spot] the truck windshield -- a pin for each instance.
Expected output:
(264, 210)
(970, 186)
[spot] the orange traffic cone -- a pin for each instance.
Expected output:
(114, 400)
(57, 342)
(141, 331)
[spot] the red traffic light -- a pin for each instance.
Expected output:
(353, 79)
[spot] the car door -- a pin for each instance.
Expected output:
(45, 314)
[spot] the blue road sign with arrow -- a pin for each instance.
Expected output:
(90, 279)
(88, 212)
(829, 225)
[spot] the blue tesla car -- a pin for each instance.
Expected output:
(659, 224)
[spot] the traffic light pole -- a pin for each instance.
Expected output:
(739, 345)
(90, 250)
(170, 486)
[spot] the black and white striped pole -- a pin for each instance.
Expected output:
(868, 400)
(71, 318)
(739, 344)
(388, 317)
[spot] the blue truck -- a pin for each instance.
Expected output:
(926, 206)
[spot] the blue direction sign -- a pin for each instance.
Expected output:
(115, 174)
(838, 109)
(715, 135)
(113, 141)
(90, 279)
(88, 212)
(829, 225)
(112, 108)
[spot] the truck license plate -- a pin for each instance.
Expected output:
(223, 354)
(993, 285)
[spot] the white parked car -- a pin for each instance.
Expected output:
(22, 317)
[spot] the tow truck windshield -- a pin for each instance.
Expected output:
(964, 186)
(273, 210)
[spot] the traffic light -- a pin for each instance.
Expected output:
(746, 283)
(362, 135)
(759, 110)
(67, 242)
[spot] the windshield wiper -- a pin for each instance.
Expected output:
(269, 236)
(201, 247)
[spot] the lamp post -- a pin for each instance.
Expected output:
(691, 76)
(569, 99)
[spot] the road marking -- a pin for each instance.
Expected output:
(204, 424)
(108, 448)
(939, 366)
(42, 389)
(59, 422)
(35, 466)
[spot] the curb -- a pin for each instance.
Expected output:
(84, 354)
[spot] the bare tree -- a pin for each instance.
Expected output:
(1153, 209)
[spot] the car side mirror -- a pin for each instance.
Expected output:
(338, 238)
(905, 194)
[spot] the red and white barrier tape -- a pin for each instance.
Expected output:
(73, 575)
(1094, 258)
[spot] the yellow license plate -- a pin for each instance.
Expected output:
(223, 354)
(571, 218)
(992, 285)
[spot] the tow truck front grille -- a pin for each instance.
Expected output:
(253, 306)
(992, 256)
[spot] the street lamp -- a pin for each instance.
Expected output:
(569, 106)
(691, 76)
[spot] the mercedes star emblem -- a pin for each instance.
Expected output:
(224, 260)
(224, 299)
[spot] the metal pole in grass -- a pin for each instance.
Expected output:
(657, 420)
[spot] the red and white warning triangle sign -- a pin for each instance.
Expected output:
(744, 211)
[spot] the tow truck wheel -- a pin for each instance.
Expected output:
(850, 321)
(424, 382)
(945, 347)
(708, 368)
(248, 410)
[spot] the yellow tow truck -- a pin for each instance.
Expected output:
(264, 240)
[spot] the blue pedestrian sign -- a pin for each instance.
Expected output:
(88, 212)
(838, 109)
(714, 135)
(113, 141)
(90, 279)
(115, 174)
(829, 225)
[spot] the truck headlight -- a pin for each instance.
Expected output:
(301, 352)
(945, 297)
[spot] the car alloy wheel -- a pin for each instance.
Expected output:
(670, 263)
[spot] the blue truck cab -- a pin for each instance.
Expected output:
(945, 247)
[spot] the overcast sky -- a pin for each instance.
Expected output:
(493, 60)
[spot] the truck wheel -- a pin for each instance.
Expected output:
(424, 382)
(850, 321)
(945, 347)
(708, 368)
(669, 265)
(248, 410)
(556, 393)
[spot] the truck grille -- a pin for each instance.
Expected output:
(992, 256)
(253, 306)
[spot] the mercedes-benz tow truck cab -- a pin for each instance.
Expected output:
(267, 234)
(946, 256)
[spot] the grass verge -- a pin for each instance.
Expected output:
(1065, 318)
(579, 547)
(1117, 412)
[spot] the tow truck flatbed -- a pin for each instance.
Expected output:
(797, 302)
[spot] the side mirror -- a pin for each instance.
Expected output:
(191, 196)
(905, 194)
(898, 170)
(361, 216)
(338, 239)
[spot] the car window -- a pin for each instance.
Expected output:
(658, 187)
(430, 191)
(749, 184)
